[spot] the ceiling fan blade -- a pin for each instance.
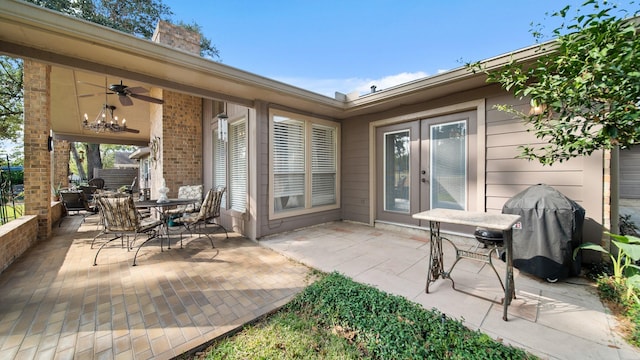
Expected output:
(147, 98)
(135, 131)
(137, 90)
(95, 94)
(92, 84)
(125, 100)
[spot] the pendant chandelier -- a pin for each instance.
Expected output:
(105, 121)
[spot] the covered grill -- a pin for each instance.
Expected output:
(550, 229)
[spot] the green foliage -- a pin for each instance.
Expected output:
(625, 271)
(11, 98)
(136, 17)
(586, 85)
(337, 318)
(207, 49)
(627, 225)
(285, 335)
(616, 294)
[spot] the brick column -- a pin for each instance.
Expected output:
(61, 157)
(182, 140)
(37, 158)
(176, 126)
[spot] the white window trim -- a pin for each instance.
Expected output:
(308, 120)
(226, 204)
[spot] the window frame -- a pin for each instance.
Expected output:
(227, 199)
(308, 122)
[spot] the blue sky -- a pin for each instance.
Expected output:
(348, 45)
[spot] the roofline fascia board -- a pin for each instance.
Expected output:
(35, 19)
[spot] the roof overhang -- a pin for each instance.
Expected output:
(30, 31)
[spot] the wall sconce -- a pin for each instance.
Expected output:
(223, 127)
(50, 141)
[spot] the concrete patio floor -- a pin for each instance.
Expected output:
(563, 320)
(55, 305)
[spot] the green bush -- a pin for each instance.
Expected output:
(392, 327)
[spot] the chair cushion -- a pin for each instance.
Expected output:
(189, 192)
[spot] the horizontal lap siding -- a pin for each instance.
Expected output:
(630, 173)
(355, 170)
(507, 175)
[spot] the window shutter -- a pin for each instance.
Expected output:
(288, 164)
(219, 165)
(323, 165)
(238, 164)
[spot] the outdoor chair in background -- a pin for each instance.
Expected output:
(76, 201)
(188, 192)
(121, 219)
(97, 182)
(209, 211)
(88, 192)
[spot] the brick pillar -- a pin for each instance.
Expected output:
(37, 158)
(182, 140)
(176, 126)
(61, 157)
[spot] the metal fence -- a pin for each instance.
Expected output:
(11, 206)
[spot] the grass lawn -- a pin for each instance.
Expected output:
(12, 213)
(337, 318)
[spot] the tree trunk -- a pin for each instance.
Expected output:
(94, 159)
(78, 160)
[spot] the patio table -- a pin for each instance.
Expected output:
(503, 222)
(162, 208)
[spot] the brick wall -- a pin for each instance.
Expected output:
(37, 158)
(16, 237)
(176, 126)
(182, 140)
(176, 37)
(61, 162)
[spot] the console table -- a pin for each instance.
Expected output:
(495, 221)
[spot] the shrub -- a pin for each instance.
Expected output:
(392, 327)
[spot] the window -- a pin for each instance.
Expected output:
(397, 171)
(230, 165)
(238, 165)
(304, 158)
(449, 165)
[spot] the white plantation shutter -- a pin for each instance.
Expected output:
(237, 189)
(219, 165)
(323, 165)
(288, 164)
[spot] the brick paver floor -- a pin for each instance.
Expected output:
(55, 304)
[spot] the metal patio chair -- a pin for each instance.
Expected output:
(76, 201)
(121, 219)
(209, 212)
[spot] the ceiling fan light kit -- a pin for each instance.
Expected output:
(106, 121)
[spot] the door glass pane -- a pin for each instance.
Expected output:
(396, 171)
(448, 149)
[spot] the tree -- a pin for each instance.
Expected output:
(585, 85)
(11, 98)
(136, 17)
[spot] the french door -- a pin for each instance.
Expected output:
(425, 164)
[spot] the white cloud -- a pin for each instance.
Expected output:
(328, 87)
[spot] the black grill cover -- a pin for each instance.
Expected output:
(549, 229)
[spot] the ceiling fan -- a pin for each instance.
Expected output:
(125, 93)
